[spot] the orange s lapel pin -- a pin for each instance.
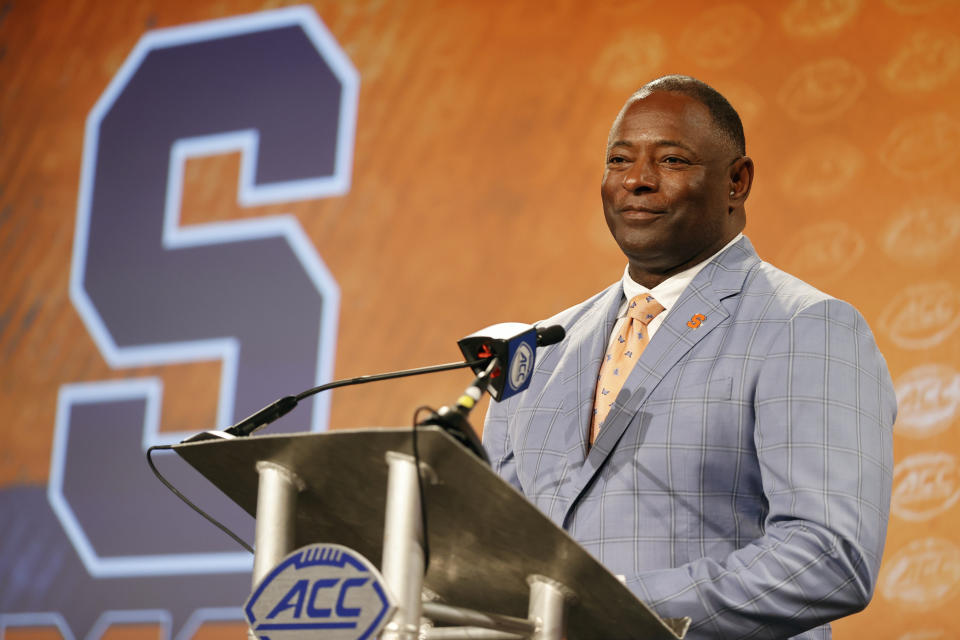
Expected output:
(696, 320)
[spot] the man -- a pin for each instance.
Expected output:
(741, 474)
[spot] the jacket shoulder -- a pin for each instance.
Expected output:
(788, 295)
(570, 316)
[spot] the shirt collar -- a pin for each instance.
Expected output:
(668, 292)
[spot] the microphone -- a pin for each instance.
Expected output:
(517, 352)
(513, 344)
(510, 343)
(550, 335)
(453, 419)
(248, 425)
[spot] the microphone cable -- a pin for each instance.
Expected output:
(423, 501)
(187, 501)
(283, 406)
(219, 525)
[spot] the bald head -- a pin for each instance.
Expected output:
(725, 117)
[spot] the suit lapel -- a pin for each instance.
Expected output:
(701, 300)
(589, 343)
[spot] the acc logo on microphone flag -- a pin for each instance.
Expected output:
(521, 366)
(324, 588)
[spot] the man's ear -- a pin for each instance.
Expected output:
(741, 179)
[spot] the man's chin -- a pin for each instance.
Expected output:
(646, 250)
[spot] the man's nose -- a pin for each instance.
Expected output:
(641, 177)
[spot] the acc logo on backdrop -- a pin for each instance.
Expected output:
(823, 251)
(811, 174)
(922, 145)
(928, 398)
(621, 62)
(721, 35)
(923, 575)
(812, 18)
(821, 90)
(923, 315)
(924, 485)
(320, 588)
(925, 62)
(923, 231)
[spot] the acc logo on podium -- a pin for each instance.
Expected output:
(320, 587)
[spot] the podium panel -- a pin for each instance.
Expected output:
(485, 538)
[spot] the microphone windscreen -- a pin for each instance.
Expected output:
(550, 335)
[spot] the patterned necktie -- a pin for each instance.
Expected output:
(621, 355)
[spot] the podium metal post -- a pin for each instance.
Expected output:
(403, 562)
(548, 608)
(276, 514)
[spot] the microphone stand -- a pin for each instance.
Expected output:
(286, 404)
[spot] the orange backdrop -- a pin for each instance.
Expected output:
(479, 150)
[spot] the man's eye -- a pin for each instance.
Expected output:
(674, 160)
(616, 160)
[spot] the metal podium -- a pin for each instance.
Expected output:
(497, 566)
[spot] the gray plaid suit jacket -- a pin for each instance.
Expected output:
(743, 476)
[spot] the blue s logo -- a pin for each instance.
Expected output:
(252, 295)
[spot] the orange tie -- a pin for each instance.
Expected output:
(622, 354)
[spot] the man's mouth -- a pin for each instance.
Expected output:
(640, 212)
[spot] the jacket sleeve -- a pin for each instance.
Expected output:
(824, 408)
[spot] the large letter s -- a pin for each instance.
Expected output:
(253, 293)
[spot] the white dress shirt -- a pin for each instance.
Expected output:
(666, 293)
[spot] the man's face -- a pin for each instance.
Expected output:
(666, 187)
